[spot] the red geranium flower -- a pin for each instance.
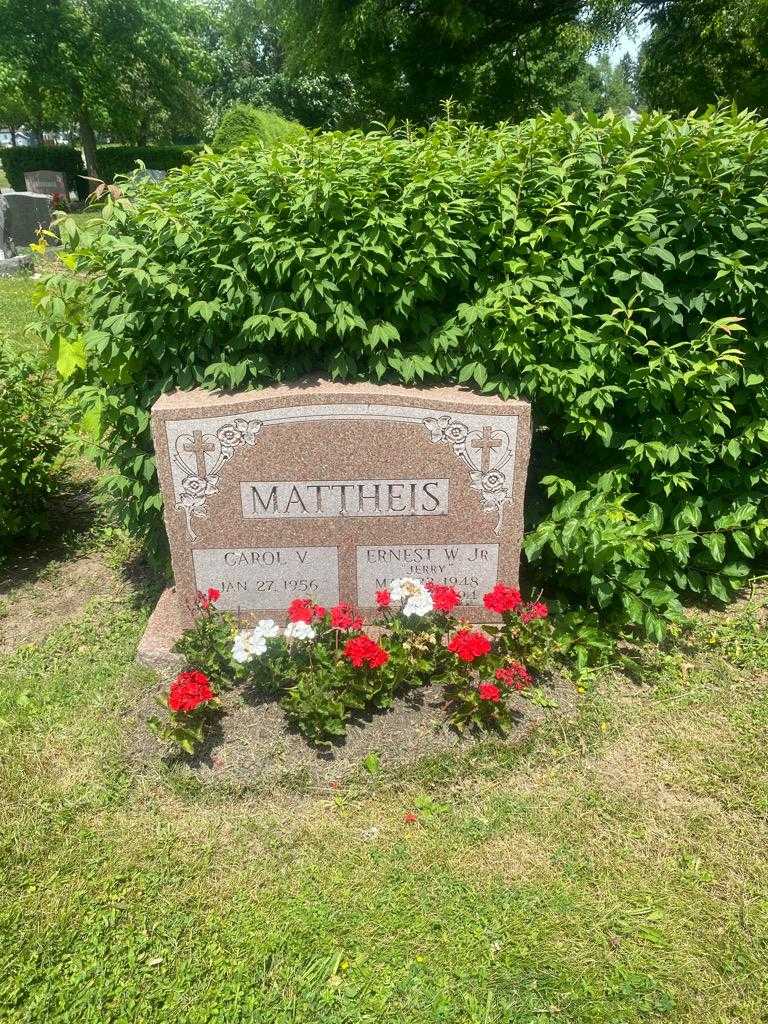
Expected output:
(489, 691)
(383, 598)
(206, 600)
(318, 611)
(502, 599)
(444, 598)
(537, 610)
(469, 644)
(343, 617)
(515, 675)
(189, 690)
(361, 650)
(301, 610)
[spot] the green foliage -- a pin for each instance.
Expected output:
(603, 86)
(614, 274)
(132, 69)
(243, 123)
(16, 160)
(31, 436)
(494, 58)
(248, 52)
(701, 51)
(114, 160)
(208, 645)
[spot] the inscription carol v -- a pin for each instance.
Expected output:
(326, 490)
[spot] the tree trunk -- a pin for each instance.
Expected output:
(12, 130)
(88, 142)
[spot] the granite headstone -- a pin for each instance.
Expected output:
(47, 183)
(331, 491)
(11, 262)
(25, 213)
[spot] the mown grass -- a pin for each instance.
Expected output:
(16, 312)
(614, 869)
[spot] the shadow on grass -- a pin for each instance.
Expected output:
(73, 518)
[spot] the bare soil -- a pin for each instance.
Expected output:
(252, 744)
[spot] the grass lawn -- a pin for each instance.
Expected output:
(612, 869)
(15, 314)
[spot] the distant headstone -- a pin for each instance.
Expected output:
(46, 183)
(7, 248)
(10, 261)
(26, 212)
(331, 491)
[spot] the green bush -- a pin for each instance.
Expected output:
(18, 159)
(243, 123)
(31, 434)
(114, 160)
(614, 274)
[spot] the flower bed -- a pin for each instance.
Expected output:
(323, 667)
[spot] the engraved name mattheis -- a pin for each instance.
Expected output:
(313, 499)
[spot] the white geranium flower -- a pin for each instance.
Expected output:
(248, 644)
(420, 604)
(299, 631)
(267, 628)
(406, 587)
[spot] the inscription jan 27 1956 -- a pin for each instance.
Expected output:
(331, 491)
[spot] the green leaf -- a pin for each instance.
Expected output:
(715, 544)
(70, 357)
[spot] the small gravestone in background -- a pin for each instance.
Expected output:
(331, 491)
(7, 248)
(25, 214)
(10, 261)
(47, 183)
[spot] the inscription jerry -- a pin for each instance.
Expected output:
(328, 498)
(470, 568)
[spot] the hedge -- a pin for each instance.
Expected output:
(31, 437)
(614, 274)
(114, 160)
(18, 159)
(243, 123)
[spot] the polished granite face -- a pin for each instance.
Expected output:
(331, 491)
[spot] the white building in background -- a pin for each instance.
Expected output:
(22, 138)
(25, 137)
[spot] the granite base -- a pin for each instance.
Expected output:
(164, 629)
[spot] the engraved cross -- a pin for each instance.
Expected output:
(486, 444)
(199, 448)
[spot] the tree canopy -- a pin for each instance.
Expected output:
(496, 58)
(141, 70)
(115, 65)
(703, 50)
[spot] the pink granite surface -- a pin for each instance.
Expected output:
(328, 440)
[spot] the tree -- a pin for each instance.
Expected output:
(246, 45)
(14, 110)
(603, 86)
(702, 50)
(496, 58)
(107, 65)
